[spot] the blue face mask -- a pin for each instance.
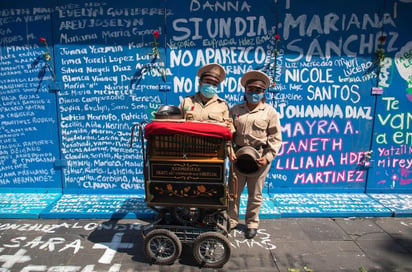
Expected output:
(208, 90)
(254, 97)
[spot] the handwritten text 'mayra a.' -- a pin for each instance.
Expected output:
(321, 127)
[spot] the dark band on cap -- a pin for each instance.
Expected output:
(210, 76)
(256, 83)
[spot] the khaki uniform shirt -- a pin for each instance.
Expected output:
(216, 109)
(259, 128)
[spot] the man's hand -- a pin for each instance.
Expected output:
(262, 161)
(232, 156)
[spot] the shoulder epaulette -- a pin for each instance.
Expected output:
(221, 100)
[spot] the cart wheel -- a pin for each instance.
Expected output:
(211, 249)
(185, 215)
(162, 246)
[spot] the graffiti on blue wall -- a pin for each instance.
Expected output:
(341, 81)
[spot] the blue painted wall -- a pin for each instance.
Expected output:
(77, 139)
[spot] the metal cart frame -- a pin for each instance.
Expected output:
(186, 184)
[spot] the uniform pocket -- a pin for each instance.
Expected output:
(215, 117)
(259, 128)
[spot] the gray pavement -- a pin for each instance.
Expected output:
(294, 244)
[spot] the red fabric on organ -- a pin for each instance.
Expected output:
(192, 128)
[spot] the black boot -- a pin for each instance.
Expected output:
(250, 233)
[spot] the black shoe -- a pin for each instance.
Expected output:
(250, 233)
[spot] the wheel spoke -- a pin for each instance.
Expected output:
(211, 249)
(162, 246)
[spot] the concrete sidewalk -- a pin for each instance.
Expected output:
(298, 244)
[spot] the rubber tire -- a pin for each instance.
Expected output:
(202, 248)
(159, 240)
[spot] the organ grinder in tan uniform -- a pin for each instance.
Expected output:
(257, 141)
(206, 105)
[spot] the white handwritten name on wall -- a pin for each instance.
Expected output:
(323, 66)
(26, 107)
(100, 103)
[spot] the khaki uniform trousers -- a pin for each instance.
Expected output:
(255, 198)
